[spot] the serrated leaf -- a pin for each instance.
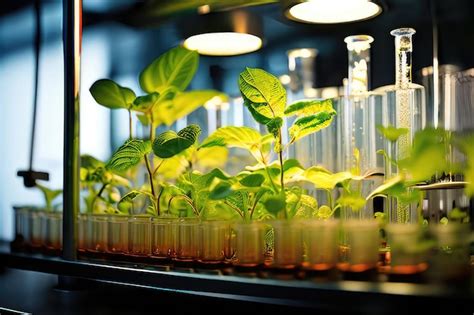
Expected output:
(129, 155)
(274, 127)
(309, 107)
(185, 103)
(252, 180)
(310, 124)
(264, 92)
(111, 95)
(256, 115)
(392, 133)
(239, 199)
(236, 137)
(170, 143)
(176, 68)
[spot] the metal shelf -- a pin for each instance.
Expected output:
(367, 296)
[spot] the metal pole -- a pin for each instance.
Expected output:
(72, 38)
(434, 23)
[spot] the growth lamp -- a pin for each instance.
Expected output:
(226, 33)
(330, 11)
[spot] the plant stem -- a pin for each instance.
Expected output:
(98, 196)
(130, 124)
(156, 169)
(152, 128)
(234, 208)
(158, 202)
(282, 181)
(188, 200)
(268, 172)
(257, 198)
(150, 176)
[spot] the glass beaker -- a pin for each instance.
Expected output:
(139, 236)
(117, 238)
(164, 237)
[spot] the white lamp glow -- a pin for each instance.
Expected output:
(223, 43)
(333, 11)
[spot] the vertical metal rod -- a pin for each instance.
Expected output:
(35, 95)
(72, 39)
(434, 21)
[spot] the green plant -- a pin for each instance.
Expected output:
(265, 98)
(166, 145)
(426, 158)
(101, 184)
(165, 81)
(49, 196)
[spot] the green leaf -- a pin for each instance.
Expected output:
(256, 115)
(220, 191)
(252, 180)
(170, 143)
(237, 137)
(310, 124)
(90, 162)
(465, 144)
(391, 133)
(109, 94)
(212, 157)
(264, 92)
(323, 213)
(323, 179)
(274, 127)
(185, 103)
(145, 103)
(127, 200)
(275, 204)
(387, 186)
(129, 155)
(291, 163)
(428, 155)
(239, 199)
(457, 215)
(176, 68)
(309, 107)
(49, 196)
(353, 200)
(144, 120)
(172, 168)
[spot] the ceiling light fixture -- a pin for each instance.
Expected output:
(226, 33)
(330, 11)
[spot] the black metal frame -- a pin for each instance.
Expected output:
(371, 297)
(72, 40)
